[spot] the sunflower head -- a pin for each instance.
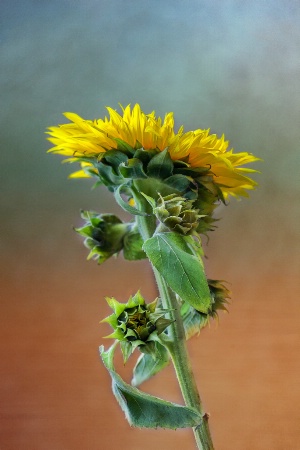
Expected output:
(139, 152)
(193, 153)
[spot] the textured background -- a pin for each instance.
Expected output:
(233, 66)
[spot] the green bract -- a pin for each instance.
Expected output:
(194, 320)
(153, 172)
(177, 213)
(136, 324)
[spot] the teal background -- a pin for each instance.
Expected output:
(232, 66)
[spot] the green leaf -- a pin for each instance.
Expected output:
(125, 205)
(144, 410)
(177, 260)
(161, 165)
(147, 366)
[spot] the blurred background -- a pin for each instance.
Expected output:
(230, 65)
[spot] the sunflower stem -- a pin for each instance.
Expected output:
(177, 345)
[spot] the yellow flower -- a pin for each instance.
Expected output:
(199, 149)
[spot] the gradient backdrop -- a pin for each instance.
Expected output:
(233, 66)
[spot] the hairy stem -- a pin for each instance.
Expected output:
(177, 346)
(182, 365)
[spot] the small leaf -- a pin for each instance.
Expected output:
(161, 165)
(146, 367)
(144, 410)
(173, 256)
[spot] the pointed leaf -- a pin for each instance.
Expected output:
(173, 256)
(114, 158)
(144, 410)
(126, 349)
(146, 367)
(145, 155)
(123, 146)
(161, 165)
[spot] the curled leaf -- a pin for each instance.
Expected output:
(144, 410)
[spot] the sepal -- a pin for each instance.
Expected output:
(161, 165)
(133, 169)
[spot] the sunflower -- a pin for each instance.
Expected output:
(87, 141)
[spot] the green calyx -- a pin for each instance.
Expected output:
(152, 172)
(106, 235)
(136, 324)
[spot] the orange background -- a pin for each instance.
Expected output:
(225, 65)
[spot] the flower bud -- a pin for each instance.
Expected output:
(193, 320)
(177, 214)
(104, 234)
(135, 323)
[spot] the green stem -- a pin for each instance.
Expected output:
(177, 346)
(182, 365)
